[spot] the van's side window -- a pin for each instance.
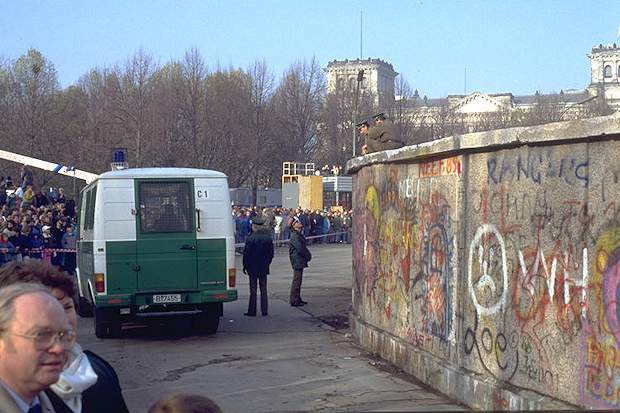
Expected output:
(89, 219)
(86, 210)
(165, 207)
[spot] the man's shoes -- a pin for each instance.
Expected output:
(300, 304)
(249, 314)
(303, 302)
(265, 314)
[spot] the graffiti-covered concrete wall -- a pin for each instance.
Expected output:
(488, 264)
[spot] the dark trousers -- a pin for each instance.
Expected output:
(296, 286)
(261, 280)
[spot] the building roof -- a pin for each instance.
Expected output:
(161, 173)
(567, 97)
(605, 48)
(562, 97)
(335, 64)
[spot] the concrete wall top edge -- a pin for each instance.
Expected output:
(573, 130)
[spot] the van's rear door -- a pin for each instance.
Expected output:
(166, 235)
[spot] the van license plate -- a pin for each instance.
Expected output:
(166, 298)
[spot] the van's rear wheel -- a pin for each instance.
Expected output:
(208, 321)
(107, 324)
(83, 307)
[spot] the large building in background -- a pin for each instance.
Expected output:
(476, 108)
(605, 76)
(375, 76)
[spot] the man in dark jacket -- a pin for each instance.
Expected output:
(381, 136)
(299, 255)
(257, 256)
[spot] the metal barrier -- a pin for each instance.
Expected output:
(311, 237)
(46, 254)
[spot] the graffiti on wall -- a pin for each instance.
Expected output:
(384, 248)
(538, 167)
(600, 381)
(539, 276)
(404, 252)
(435, 259)
(542, 280)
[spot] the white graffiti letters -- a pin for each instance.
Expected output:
(483, 243)
(550, 275)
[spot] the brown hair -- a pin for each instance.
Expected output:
(185, 403)
(37, 271)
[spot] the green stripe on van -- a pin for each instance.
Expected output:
(211, 257)
(121, 276)
(121, 262)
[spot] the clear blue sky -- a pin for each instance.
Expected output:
(517, 46)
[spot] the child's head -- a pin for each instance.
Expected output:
(185, 403)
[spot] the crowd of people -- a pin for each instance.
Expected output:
(36, 223)
(319, 226)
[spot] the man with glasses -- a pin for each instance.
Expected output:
(35, 338)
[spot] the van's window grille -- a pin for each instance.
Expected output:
(165, 207)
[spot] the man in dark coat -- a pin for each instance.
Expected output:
(383, 135)
(257, 256)
(299, 255)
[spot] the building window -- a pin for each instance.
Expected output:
(618, 71)
(607, 71)
(364, 84)
(351, 83)
(340, 83)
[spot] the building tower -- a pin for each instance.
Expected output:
(378, 78)
(605, 76)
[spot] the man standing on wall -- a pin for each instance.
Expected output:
(257, 256)
(299, 255)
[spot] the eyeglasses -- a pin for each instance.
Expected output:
(44, 340)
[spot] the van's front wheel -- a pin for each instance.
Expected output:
(107, 324)
(208, 321)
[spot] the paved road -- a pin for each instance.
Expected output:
(290, 360)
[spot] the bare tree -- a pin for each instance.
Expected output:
(34, 84)
(596, 107)
(299, 99)
(399, 110)
(447, 122)
(194, 107)
(133, 96)
(168, 143)
(229, 124)
(7, 104)
(343, 108)
(263, 165)
(103, 129)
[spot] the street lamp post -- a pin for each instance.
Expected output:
(360, 77)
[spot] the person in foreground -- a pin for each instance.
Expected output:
(185, 403)
(257, 256)
(87, 384)
(35, 338)
(300, 255)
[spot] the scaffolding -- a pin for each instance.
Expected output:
(301, 186)
(291, 171)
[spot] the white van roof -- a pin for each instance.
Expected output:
(132, 173)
